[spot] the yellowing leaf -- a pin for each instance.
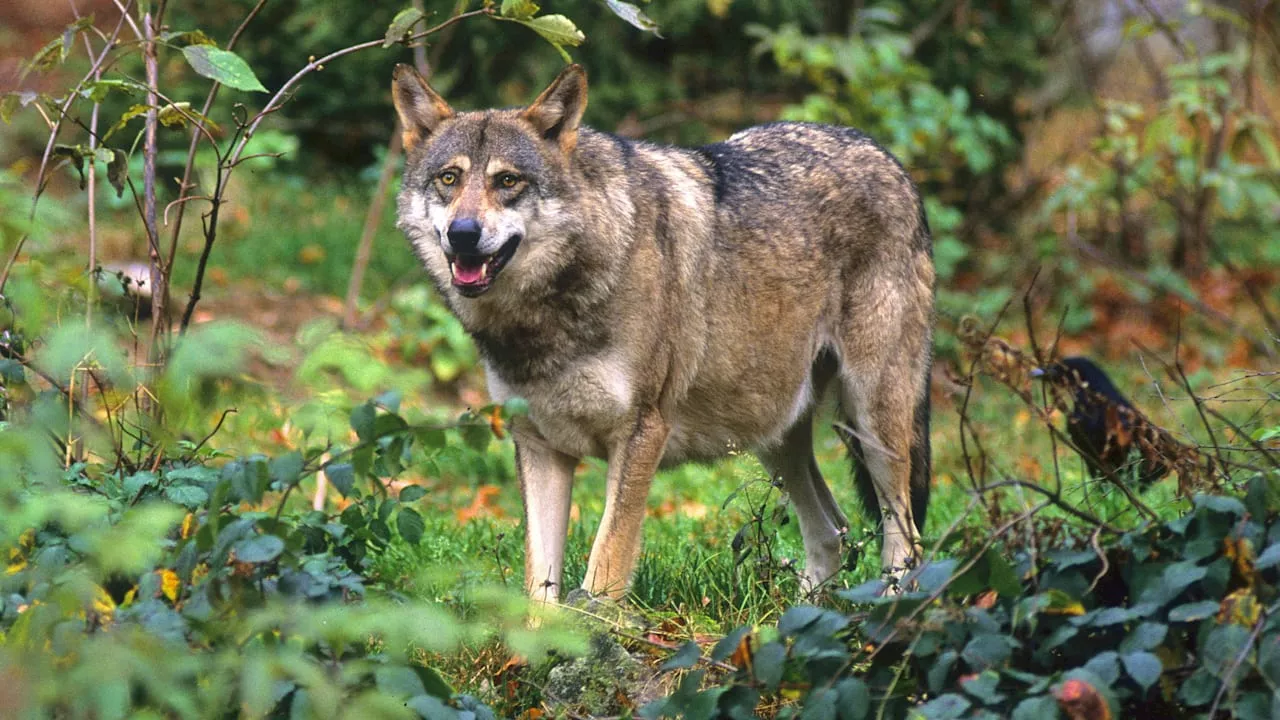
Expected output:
(103, 605)
(17, 562)
(1240, 608)
(169, 584)
(1056, 602)
(188, 525)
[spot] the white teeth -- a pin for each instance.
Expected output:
(453, 267)
(484, 271)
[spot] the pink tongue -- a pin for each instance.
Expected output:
(467, 275)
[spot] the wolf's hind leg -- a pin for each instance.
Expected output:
(546, 483)
(821, 522)
(880, 396)
(632, 464)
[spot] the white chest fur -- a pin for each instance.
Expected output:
(582, 410)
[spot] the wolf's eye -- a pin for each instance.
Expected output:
(508, 180)
(448, 177)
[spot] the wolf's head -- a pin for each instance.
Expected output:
(482, 190)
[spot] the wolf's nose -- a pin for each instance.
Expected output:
(464, 236)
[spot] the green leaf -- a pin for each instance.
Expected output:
(519, 9)
(1104, 665)
(1146, 636)
(769, 662)
(187, 37)
(1043, 707)
(557, 30)
(412, 493)
(855, 698)
(984, 687)
(222, 66)
(431, 708)
(410, 525)
(686, 657)
(399, 682)
(401, 24)
(343, 477)
(139, 481)
(189, 496)
(988, 651)
(433, 683)
(1001, 576)
(1255, 706)
(362, 419)
(1269, 557)
(632, 14)
(728, 644)
(1221, 647)
(118, 171)
(951, 706)
(259, 549)
(286, 469)
(1199, 689)
(1143, 667)
(1192, 612)
(820, 704)
(515, 407)
(798, 618)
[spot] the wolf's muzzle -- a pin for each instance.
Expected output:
(464, 236)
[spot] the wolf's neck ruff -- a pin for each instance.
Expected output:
(651, 308)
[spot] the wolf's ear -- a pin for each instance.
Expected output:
(558, 110)
(421, 110)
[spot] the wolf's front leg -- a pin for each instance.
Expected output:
(632, 464)
(546, 483)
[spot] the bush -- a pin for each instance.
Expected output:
(1177, 620)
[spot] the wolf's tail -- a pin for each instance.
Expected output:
(921, 469)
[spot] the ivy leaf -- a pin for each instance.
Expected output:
(1143, 667)
(343, 477)
(401, 24)
(769, 661)
(1036, 708)
(412, 493)
(951, 706)
(398, 682)
(988, 651)
(138, 481)
(519, 9)
(1146, 636)
(684, 658)
(285, 469)
(632, 14)
(189, 496)
(362, 418)
(1193, 611)
(432, 682)
(798, 618)
(259, 549)
(855, 698)
(222, 66)
(729, 643)
(410, 525)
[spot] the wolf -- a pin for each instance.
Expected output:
(657, 305)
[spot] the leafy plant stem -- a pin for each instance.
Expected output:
(189, 165)
(41, 175)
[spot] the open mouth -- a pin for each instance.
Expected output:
(473, 274)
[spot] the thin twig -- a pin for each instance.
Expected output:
(41, 178)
